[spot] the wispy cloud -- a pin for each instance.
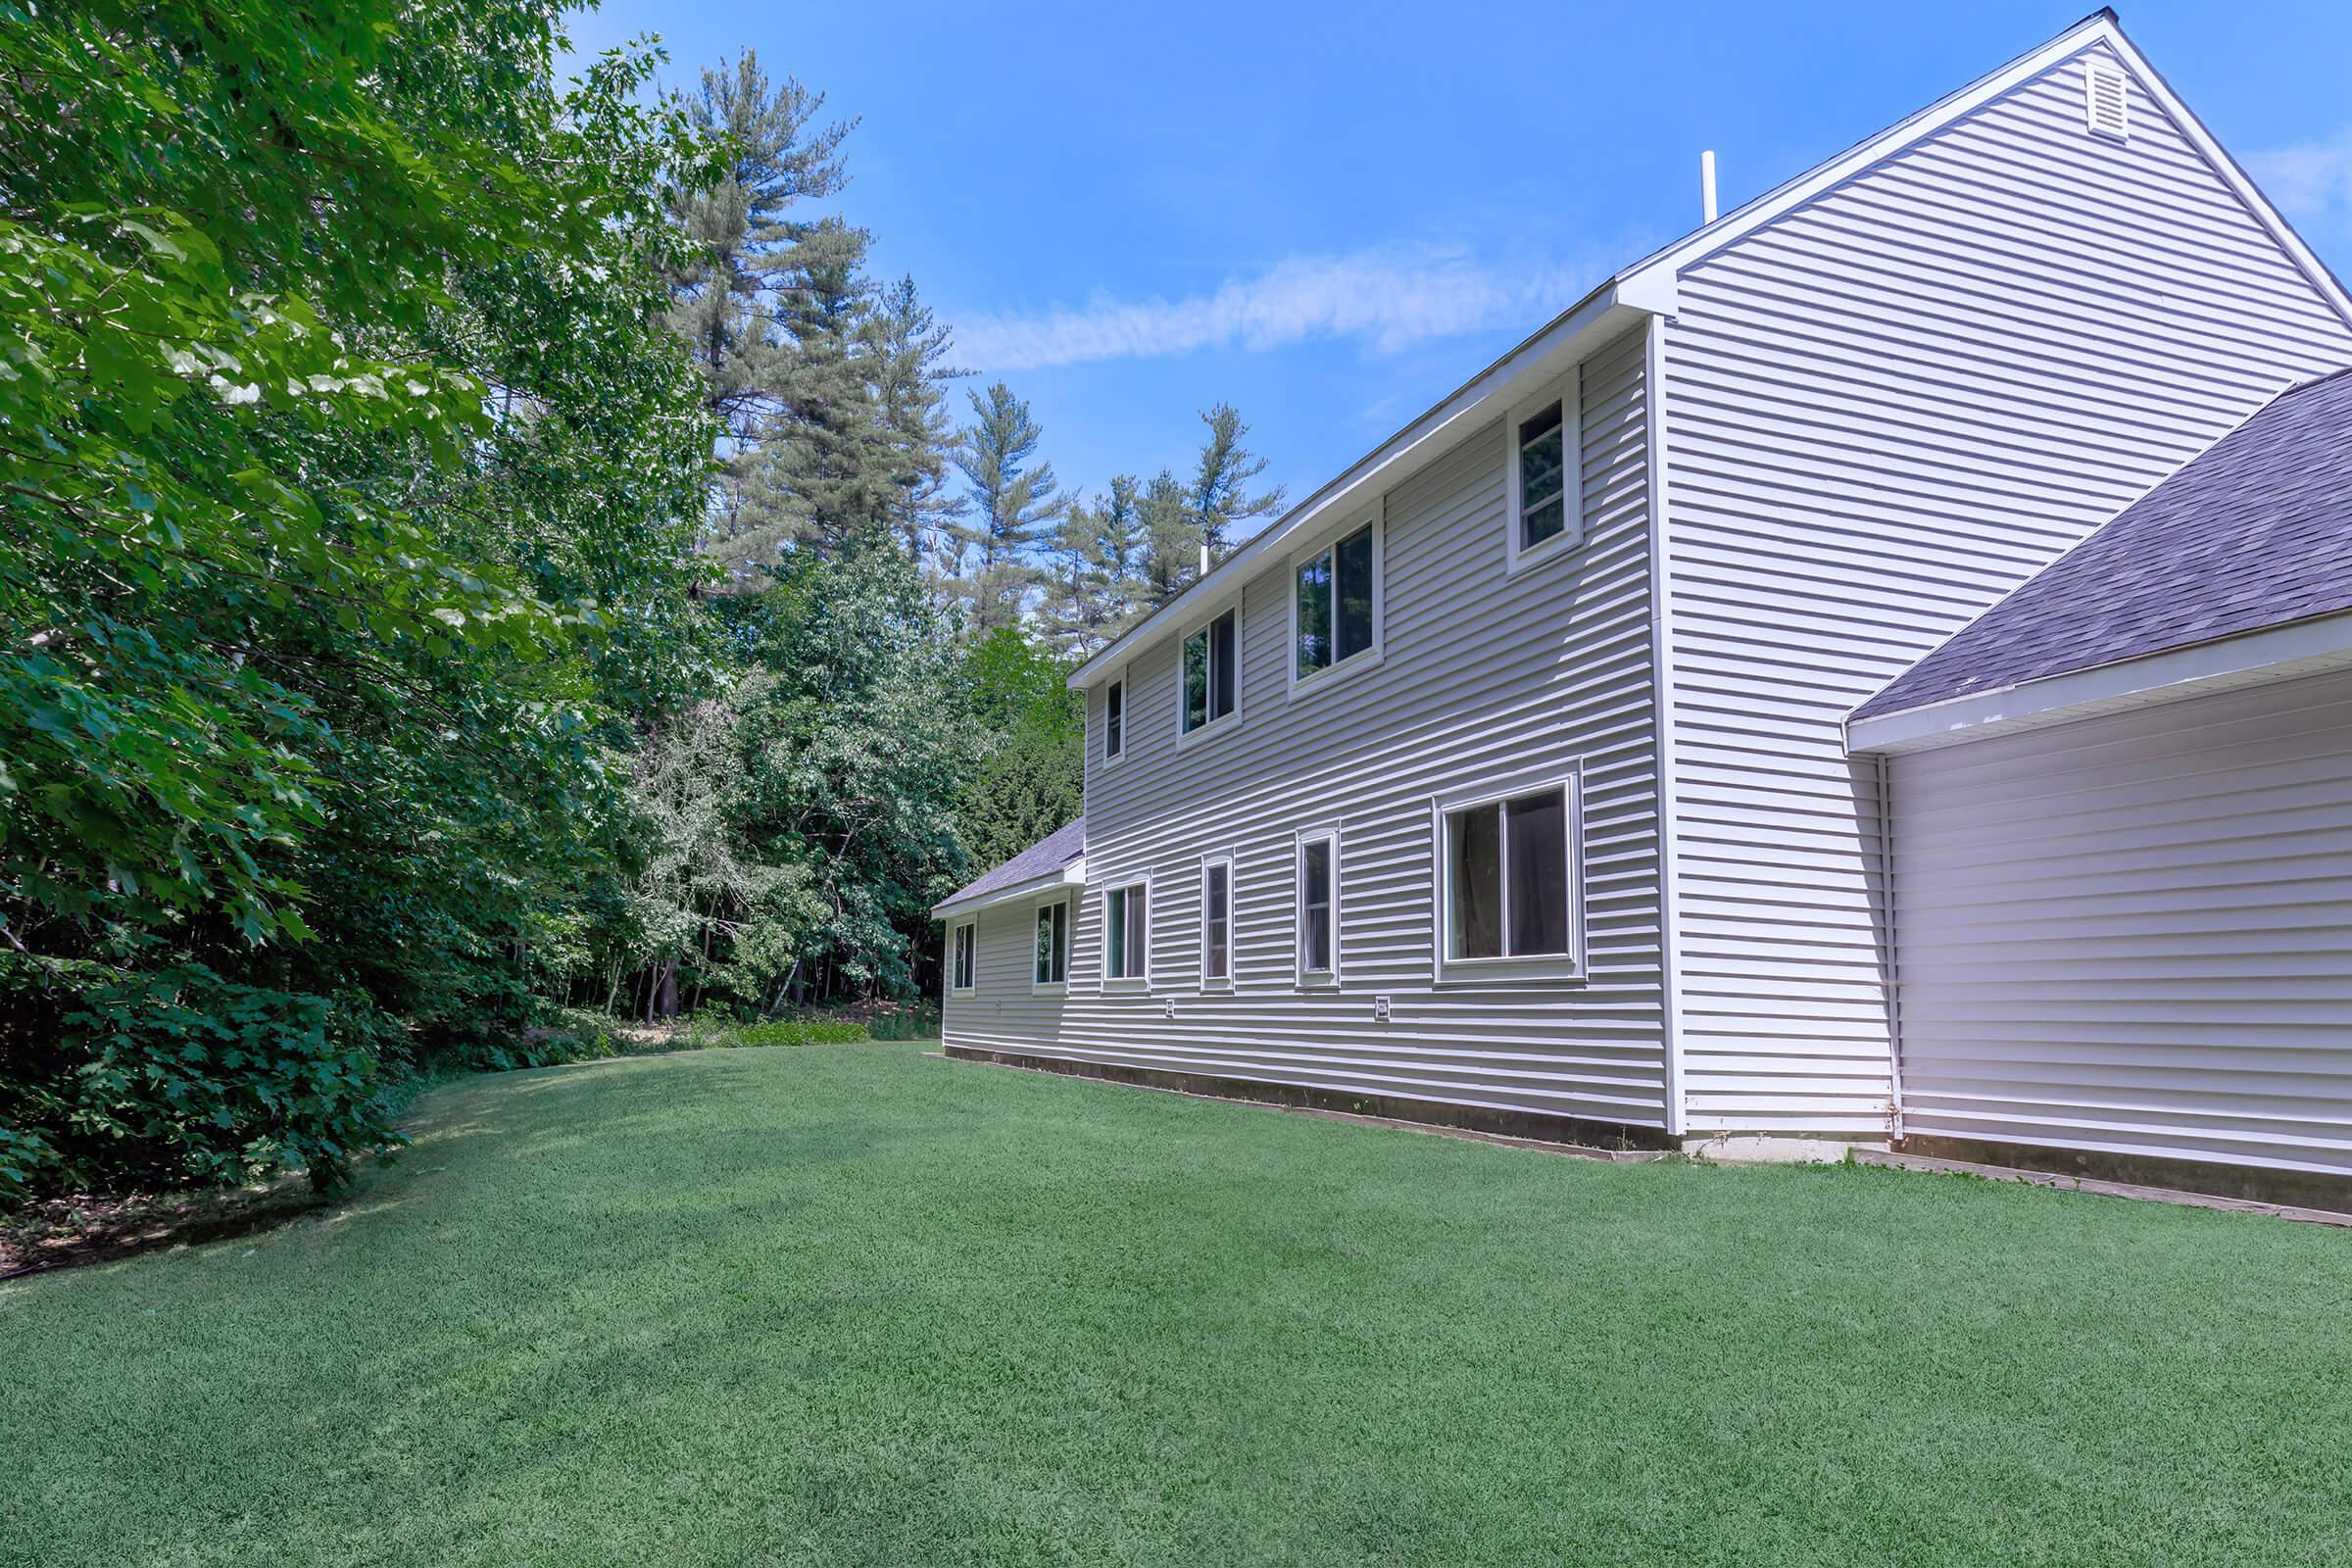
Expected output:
(2310, 179)
(1386, 298)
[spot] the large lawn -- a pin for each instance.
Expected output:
(853, 1305)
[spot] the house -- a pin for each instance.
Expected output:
(1615, 751)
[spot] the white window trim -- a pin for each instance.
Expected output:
(1567, 968)
(1126, 689)
(1231, 721)
(1130, 982)
(1300, 975)
(955, 928)
(1567, 393)
(1069, 945)
(1212, 982)
(1339, 670)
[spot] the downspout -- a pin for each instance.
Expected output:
(1661, 669)
(1883, 773)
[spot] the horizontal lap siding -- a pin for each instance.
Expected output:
(1479, 675)
(2134, 933)
(1003, 1011)
(1884, 411)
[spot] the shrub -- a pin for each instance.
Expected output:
(716, 1035)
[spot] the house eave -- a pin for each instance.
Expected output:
(1070, 875)
(1616, 307)
(2285, 652)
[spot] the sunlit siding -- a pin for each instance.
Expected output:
(2131, 934)
(1481, 676)
(1005, 1011)
(1882, 410)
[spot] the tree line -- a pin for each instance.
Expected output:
(482, 545)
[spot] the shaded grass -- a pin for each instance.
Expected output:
(851, 1305)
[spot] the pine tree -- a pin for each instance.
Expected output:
(909, 363)
(1172, 539)
(1220, 497)
(1014, 500)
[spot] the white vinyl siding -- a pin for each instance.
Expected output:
(2133, 934)
(1882, 410)
(1003, 1011)
(1482, 674)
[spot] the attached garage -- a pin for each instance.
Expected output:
(2119, 820)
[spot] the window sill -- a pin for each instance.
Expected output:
(1318, 981)
(1212, 983)
(1048, 988)
(1212, 731)
(1459, 973)
(1333, 674)
(1552, 549)
(1133, 983)
(963, 991)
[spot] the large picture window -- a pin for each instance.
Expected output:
(1335, 603)
(1216, 922)
(1126, 934)
(1510, 881)
(1052, 968)
(1319, 954)
(1212, 672)
(962, 956)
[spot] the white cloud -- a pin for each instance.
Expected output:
(2312, 179)
(1386, 298)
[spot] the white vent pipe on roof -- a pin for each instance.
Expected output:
(1706, 182)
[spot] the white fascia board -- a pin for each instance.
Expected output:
(2098, 27)
(2276, 652)
(1070, 875)
(1599, 317)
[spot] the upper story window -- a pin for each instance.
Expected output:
(1334, 602)
(1053, 964)
(1212, 673)
(1543, 475)
(1510, 884)
(1114, 720)
(962, 956)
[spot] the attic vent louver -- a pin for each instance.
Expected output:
(2106, 99)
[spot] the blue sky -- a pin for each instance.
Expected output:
(1332, 216)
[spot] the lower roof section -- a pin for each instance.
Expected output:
(1054, 860)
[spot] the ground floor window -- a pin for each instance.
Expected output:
(1126, 934)
(1217, 921)
(962, 951)
(1053, 943)
(1509, 879)
(1318, 906)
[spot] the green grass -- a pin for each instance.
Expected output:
(851, 1305)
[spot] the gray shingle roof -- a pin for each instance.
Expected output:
(2253, 532)
(1053, 852)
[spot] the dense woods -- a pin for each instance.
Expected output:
(482, 547)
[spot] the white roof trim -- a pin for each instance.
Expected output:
(1610, 309)
(2252, 658)
(2098, 27)
(1070, 875)
(1649, 288)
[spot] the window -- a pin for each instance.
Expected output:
(1318, 907)
(1114, 720)
(1510, 881)
(1216, 922)
(1052, 943)
(1126, 935)
(1543, 475)
(1211, 671)
(961, 956)
(1336, 604)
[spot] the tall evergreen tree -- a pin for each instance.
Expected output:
(1014, 500)
(1172, 540)
(909, 363)
(1096, 582)
(1220, 493)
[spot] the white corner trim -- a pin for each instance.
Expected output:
(1662, 711)
(2277, 653)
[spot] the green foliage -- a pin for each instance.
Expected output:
(349, 478)
(1031, 775)
(713, 1035)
